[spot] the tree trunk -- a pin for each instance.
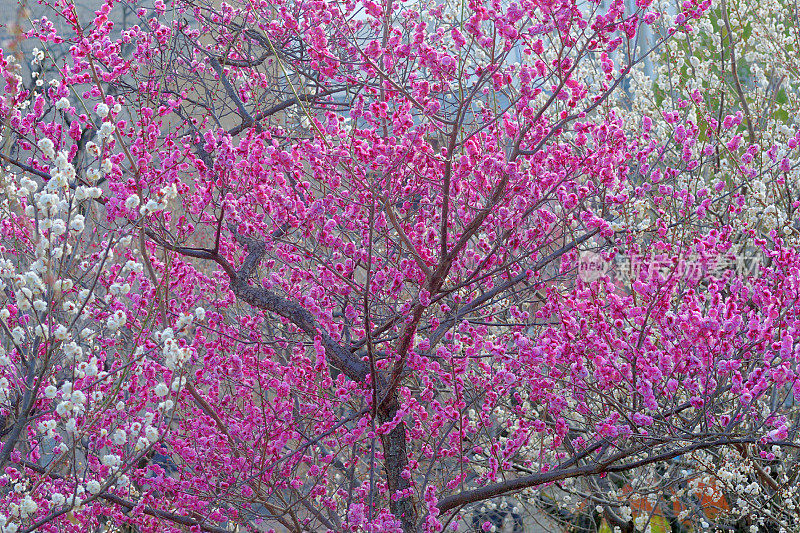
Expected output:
(395, 459)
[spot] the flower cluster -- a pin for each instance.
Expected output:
(318, 266)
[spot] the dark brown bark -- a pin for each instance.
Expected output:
(395, 459)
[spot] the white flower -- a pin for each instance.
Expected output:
(63, 285)
(28, 506)
(47, 426)
(200, 313)
(62, 160)
(62, 103)
(119, 437)
(62, 408)
(58, 228)
(183, 321)
(151, 433)
(78, 397)
(161, 389)
(106, 131)
(93, 486)
(117, 320)
(169, 192)
(28, 184)
(111, 460)
(77, 223)
(102, 110)
(61, 333)
(50, 392)
(93, 149)
(150, 207)
(132, 202)
(178, 384)
(18, 333)
(4, 390)
(47, 147)
(57, 499)
(174, 354)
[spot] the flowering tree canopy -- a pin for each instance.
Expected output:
(375, 265)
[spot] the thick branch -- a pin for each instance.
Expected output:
(261, 298)
(559, 473)
(28, 399)
(245, 62)
(277, 108)
(267, 300)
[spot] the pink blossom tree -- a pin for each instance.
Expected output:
(319, 266)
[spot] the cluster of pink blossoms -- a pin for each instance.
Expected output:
(312, 266)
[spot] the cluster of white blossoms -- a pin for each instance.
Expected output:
(175, 355)
(764, 98)
(62, 293)
(153, 205)
(150, 436)
(116, 320)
